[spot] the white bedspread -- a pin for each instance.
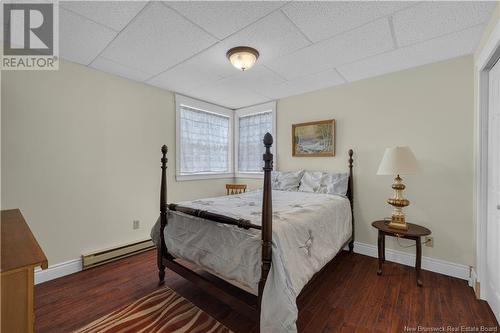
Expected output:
(308, 230)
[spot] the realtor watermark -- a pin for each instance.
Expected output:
(30, 35)
(450, 328)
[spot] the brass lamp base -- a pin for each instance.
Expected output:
(398, 217)
(398, 223)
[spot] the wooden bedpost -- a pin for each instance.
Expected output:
(162, 250)
(267, 216)
(350, 196)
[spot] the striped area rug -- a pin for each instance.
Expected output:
(161, 311)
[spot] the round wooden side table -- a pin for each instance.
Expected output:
(414, 232)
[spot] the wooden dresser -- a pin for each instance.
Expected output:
(20, 254)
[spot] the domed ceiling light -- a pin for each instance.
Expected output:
(242, 57)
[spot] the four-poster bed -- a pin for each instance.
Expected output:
(239, 298)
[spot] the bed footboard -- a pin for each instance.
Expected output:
(267, 215)
(162, 249)
(237, 298)
(350, 196)
(165, 259)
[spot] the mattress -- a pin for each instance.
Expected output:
(308, 230)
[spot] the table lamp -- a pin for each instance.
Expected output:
(398, 161)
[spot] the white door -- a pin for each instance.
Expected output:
(493, 222)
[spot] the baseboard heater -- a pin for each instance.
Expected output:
(102, 257)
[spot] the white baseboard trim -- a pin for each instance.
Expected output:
(434, 265)
(58, 270)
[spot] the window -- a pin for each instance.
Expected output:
(250, 149)
(251, 125)
(204, 140)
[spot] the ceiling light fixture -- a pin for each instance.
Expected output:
(242, 57)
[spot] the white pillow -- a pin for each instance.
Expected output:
(324, 182)
(311, 182)
(286, 180)
(336, 183)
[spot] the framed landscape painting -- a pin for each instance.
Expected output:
(314, 139)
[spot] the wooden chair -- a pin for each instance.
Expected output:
(236, 188)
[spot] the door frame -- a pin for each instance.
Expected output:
(483, 63)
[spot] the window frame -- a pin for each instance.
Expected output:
(248, 111)
(192, 103)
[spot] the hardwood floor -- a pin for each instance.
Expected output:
(347, 297)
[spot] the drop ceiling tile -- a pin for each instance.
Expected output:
(111, 67)
(308, 83)
(446, 47)
(242, 101)
(258, 76)
(226, 93)
(323, 19)
(157, 39)
(274, 36)
(186, 76)
(113, 14)
(81, 40)
(223, 18)
(371, 39)
(432, 19)
(215, 92)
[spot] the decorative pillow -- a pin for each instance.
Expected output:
(312, 182)
(286, 180)
(324, 182)
(336, 183)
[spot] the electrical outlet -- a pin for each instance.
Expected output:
(429, 241)
(136, 224)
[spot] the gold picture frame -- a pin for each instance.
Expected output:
(314, 139)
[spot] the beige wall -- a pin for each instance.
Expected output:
(430, 109)
(80, 153)
(81, 157)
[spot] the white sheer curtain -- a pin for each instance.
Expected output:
(252, 129)
(204, 142)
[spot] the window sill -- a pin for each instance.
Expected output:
(256, 175)
(201, 176)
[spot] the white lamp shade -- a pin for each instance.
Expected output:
(398, 161)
